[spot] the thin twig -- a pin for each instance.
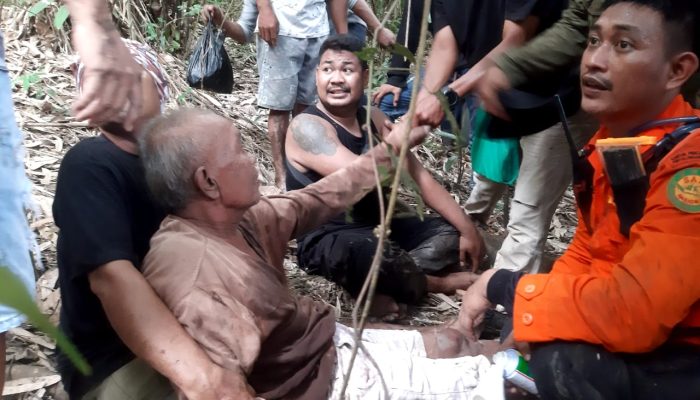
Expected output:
(383, 227)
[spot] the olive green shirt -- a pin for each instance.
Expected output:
(561, 46)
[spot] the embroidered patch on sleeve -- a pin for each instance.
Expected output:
(684, 190)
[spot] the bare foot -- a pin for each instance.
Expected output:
(450, 283)
(446, 342)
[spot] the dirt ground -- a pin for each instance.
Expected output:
(43, 91)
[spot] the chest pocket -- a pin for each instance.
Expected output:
(630, 195)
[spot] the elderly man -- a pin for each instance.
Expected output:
(106, 219)
(424, 252)
(619, 314)
(217, 262)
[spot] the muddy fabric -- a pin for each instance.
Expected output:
(581, 371)
(343, 253)
(235, 301)
(628, 294)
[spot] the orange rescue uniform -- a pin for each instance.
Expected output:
(628, 295)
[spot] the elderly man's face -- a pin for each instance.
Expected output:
(340, 78)
(232, 167)
(625, 68)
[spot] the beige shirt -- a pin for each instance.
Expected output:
(238, 306)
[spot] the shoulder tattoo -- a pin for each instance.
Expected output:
(312, 137)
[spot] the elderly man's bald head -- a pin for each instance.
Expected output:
(171, 148)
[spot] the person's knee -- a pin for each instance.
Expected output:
(564, 370)
(440, 250)
(551, 366)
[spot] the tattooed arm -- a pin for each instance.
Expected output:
(111, 88)
(312, 144)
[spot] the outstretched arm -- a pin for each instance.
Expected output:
(230, 28)
(558, 47)
(514, 34)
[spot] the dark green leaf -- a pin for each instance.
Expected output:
(402, 50)
(454, 126)
(366, 54)
(14, 295)
(450, 163)
(384, 175)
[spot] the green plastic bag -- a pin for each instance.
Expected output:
(496, 159)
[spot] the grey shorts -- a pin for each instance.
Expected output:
(287, 72)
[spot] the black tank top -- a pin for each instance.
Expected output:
(367, 209)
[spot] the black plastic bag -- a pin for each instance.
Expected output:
(209, 66)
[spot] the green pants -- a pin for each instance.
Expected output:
(134, 381)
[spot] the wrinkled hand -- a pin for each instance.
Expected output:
(385, 37)
(493, 82)
(471, 247)
(428, 110)
(416, 135)
(474, 306)
(111, 84)
(214, 13)
(383, 91)
(268, 26)
(222, 384)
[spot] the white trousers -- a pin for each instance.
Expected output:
(397, 368)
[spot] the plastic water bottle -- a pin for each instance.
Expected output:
(515, 369)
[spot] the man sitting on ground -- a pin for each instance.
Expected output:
(217, 262)
(109, 311)
(327, 137)
(619, 315)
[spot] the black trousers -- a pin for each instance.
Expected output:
(564, 370)
(343, 252)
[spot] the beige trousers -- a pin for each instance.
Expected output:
(134, 381)
(545, 173)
